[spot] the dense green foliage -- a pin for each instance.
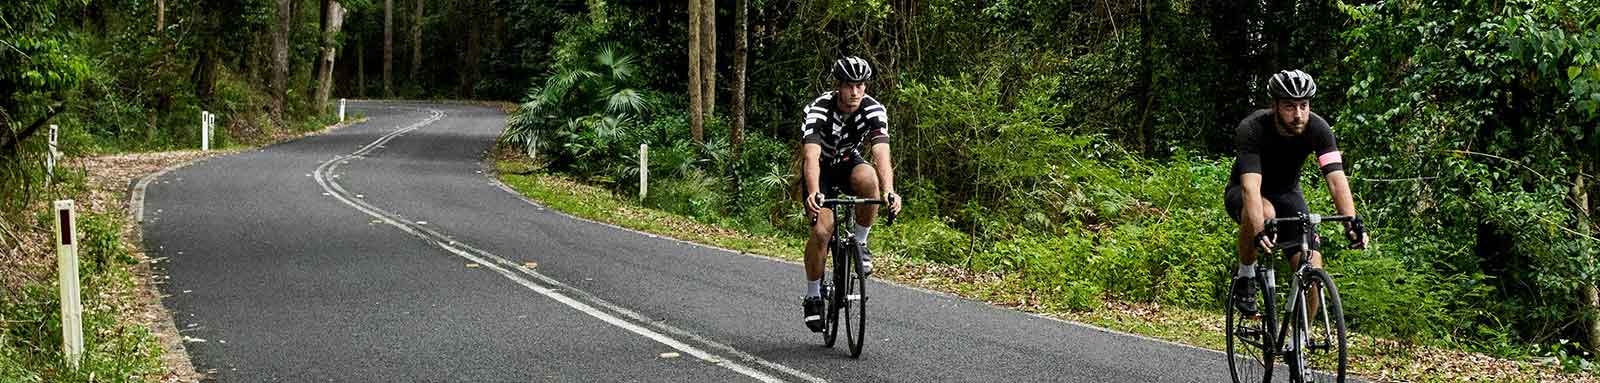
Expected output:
(1082, 146)
(116, 82)
(1061, 141)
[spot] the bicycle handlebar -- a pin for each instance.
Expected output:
(830, 203)
(1314, 219)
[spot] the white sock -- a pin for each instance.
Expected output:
(861, 233)
(814, 289)
(1246, 271)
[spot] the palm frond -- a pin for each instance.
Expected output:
(620, 66)
(627, 101)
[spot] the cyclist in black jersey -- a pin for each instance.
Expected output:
(836, 125)
(1272, 147)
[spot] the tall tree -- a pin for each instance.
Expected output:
(1149, 21)
(333, 16)
(361, 67)
(161, 15)
(696, 87)
(279, 85)
(388, 48)
(1279, 25)
(416, 41)
(472, 50)
(708, 56)
(741, 37)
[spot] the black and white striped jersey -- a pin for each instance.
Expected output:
(841, 135)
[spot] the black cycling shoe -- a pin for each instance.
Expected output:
(813, 311)
(1244, 295)
(866, 258)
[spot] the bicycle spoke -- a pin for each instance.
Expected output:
(1327, 359)
(1249, 346)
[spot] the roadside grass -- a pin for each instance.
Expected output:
(1370, 358)
(127, 334)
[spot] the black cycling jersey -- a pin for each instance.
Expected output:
(1262, 150)
(841, 135)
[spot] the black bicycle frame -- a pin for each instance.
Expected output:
(1308, 230)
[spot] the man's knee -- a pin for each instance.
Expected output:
(865, 181)
(820, 232)
(1268, 210)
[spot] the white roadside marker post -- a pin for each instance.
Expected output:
(341, 110)
(67, 269)
(205, 121)
(644, 170)
(50, 158)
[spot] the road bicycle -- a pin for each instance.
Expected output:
(1309, 339)
(850, 297)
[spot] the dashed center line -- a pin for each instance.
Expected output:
(544, 285)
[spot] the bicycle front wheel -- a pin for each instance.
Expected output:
(1249, 338)
(1324, 352)
(832, 297)
(855, 304)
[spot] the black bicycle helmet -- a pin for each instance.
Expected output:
(1291, 84)
(852, 69)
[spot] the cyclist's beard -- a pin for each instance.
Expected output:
(1291, 128)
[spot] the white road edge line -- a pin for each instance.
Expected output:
(508, 189)
(443, 242)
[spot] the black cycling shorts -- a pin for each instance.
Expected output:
(835, 179)
(1288, 204)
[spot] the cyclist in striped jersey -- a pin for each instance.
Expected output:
(837, 124)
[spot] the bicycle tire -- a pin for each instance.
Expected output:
(831, 299)
(1248, 363)
(855, 303)
(1326, 354)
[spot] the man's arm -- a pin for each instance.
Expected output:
(1345, 202)
(1254, 219)
(811, 170)
(885, 167)
(1339, 187)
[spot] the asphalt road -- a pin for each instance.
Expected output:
(383, 252)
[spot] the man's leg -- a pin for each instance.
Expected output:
(864, 181)
(816, 250)
(1245, 293)
(817, 245)
(1247, 240)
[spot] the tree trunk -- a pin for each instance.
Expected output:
(1591, 293)
(361, 67)
(1278, 27)
(416, 42)
(334, 14)
(696, 120)
(1146, 85)
(161, 15)
(280, 58)
(708, 56)
(469, 68)
(388, 48)
(740, 50)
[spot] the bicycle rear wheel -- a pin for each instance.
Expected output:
(1249, 338)
(855, 303)
(1324, 353)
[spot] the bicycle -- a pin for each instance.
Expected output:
(851, 298)
(1312, 354)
